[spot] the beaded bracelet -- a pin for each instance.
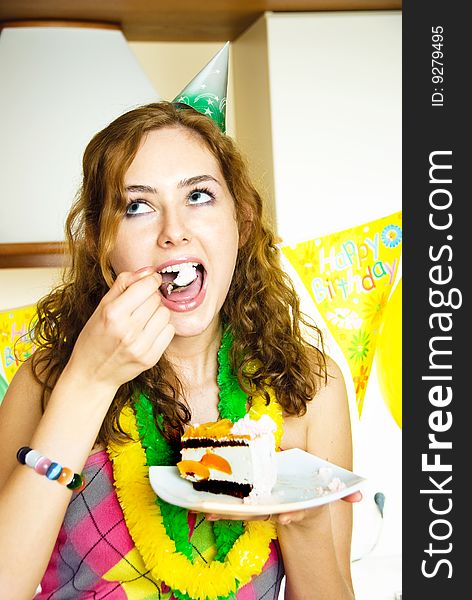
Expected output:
(52, 470)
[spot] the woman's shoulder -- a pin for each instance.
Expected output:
(328, 376)
(24, 383)
(20, 413)
(334, 382)
(327, 420)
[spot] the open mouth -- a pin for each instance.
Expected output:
(182, 285)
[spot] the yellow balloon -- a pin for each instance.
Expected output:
(389, 355)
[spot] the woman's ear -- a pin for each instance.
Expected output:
(244, 232)
(246, 223)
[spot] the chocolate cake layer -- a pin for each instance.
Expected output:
(239, 490)
(204, 442)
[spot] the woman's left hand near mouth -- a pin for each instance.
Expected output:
(127, 333)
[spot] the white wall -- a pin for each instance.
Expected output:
(335, 102)
(335, 88)
(22, 287)
(49, 110)
(250, 74)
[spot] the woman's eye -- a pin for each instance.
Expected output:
(200, 197)
(138, 208)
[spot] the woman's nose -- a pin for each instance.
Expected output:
(174, 229)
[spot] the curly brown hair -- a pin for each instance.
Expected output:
(261, 309)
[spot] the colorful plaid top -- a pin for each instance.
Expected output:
(94, 556)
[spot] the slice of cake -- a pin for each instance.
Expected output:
(235, 459)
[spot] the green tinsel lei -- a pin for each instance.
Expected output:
(232, 405)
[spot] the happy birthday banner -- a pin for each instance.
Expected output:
(15, 343)
(349, 276)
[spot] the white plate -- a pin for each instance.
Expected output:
(296, 488)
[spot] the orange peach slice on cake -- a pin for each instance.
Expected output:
(216, 429)
(193, 468)
(218, 463)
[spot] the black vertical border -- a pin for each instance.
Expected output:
(428, 128)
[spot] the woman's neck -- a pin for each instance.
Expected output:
(195, 358)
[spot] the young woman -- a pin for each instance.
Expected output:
(126, 359)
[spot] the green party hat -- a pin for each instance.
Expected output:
(206, 93)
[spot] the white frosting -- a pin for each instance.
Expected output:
(325, 474)
(336, 485)
(253, 427)
(329, 483)
(264, 468)
(187, 274)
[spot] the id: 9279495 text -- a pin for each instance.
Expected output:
(437, 65)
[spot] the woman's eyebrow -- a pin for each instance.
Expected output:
(197, 179)
(147, 189)
(143, 189)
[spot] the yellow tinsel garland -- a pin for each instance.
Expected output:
(145, 524)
